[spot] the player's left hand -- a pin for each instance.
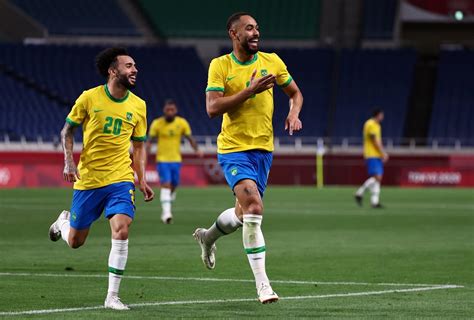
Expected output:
(147, 191)
(293, 123)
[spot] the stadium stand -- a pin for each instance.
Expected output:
(369, 79)
(453, 113)
(89, 17)
(25, 113)
(273, 14)
(378, 19)
(43, 82)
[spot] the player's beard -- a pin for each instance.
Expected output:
(123, 80)
(169, 118)
(248, 50)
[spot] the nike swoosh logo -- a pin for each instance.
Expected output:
(230, 78)
(98, 110)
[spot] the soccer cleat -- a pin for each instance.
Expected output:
(266, 293)
(167, 218)
(54, 231)
(358, 199)
(208, 252)
(378, 206)
(113, 302)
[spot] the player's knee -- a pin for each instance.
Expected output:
(256, 208)
(75, 243)
(120, 233)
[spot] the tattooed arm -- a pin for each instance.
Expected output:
(70, 172)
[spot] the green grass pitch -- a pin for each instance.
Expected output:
(349, 261)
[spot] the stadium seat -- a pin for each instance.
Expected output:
(85, 17)
(452, 114)
(370, 79)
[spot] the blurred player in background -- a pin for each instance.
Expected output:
(111, 116)
(169, 130)
(240, 87)
(375, 156)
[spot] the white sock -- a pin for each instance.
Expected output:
(254, 245)
(375, 193)
(367, 185)
(226, 223)
(64, 226)
(173, 196)
(117, 262)
(165, 198)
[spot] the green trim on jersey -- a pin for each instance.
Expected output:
(215, 89)
(246, 63)
(139, 138)
(287, 83)
(72, 123)
(116, 271)
(254, 250)
(115, 99)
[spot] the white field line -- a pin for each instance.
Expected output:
(219, 301)
(334, 283)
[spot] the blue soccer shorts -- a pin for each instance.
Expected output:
(374, 166)
(169, 172)
(253, 164)
(88, 205)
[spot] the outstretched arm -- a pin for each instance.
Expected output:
(292, 122)
(139, 162)
(217, 104)
(70, 172)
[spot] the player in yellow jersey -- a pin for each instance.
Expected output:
(110, 116)
(169, 130)
(240, 88)
(375, 156)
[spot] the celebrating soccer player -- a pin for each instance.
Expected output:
(375, 156)
(240, 87)
(110, 116)
(169, 129)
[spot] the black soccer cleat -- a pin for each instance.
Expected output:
(358, 200)
(378, 206)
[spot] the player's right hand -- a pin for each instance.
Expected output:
(147, 191)
(261, 84)
(70, 172)
(385, 157)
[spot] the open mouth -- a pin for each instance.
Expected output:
(253, 41)
(132, 78)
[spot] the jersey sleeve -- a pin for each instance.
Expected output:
(216, 78)
(79, 111)
(283, 77)
(186, 128)
(139, 132)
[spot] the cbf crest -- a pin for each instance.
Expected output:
(129, 116)
(263, 72)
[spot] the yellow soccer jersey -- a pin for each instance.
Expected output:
(250, 125)
(371, 129)
(169, 136)
(108, 124)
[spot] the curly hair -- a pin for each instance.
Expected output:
(107, 58)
